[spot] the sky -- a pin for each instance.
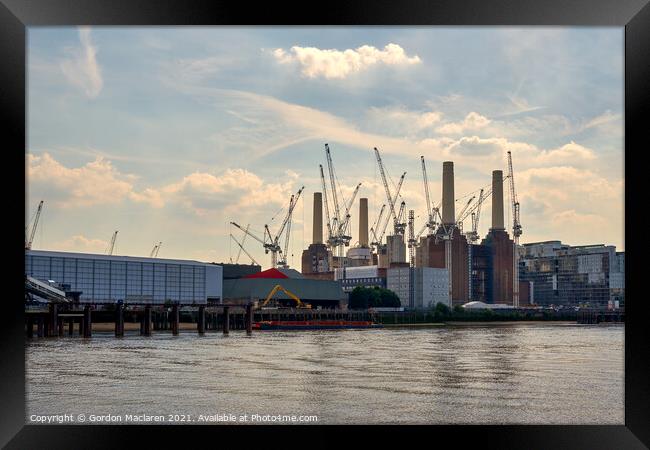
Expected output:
(170, 133)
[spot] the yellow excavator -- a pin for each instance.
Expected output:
(293, 296)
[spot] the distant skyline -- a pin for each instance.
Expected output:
(169, 133)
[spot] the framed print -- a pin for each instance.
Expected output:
(238, 224)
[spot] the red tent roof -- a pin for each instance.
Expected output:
(270, 273)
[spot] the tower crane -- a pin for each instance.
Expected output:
(241, 247)
(411, 237)
(431, 218)
(516, 232)
(272, 243)
(242, 244)
(344, 227)
(154, 251)
(373, 229)
(391, 202)
(328, 220)
(472, 235)
(28, 243)
(338, 225)
(399, 227)
(112, 245)
(461, 215)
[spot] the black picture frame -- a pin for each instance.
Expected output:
(634, 15)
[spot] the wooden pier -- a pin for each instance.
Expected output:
(165, 318)
(595, 316)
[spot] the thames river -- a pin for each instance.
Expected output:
(523, 373)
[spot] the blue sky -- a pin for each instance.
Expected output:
(168, 134)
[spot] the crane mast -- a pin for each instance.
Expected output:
(328, 221)
(516, 232)
(335, 199)
(411, 237)
(112, 246)
(241, 246)
(28, 244)
(344, 226)
(431, 221)
(375, 226)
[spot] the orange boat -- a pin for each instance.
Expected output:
(312, 324)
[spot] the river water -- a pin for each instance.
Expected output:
(524, 373)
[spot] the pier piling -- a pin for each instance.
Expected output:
(147, 320)
(249, 318)
(53, 318)
(119, 320)
(226, 320)
(175, 319)
(200, 321)
(87, 322)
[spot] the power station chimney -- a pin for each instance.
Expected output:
(448, 203)
(497, 200)
(317, 227)
(363, 222)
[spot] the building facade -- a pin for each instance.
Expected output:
(591, 275)
(430, 286)
(368, 276)
(109, 279)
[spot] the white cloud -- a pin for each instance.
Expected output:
(80, 243)
(82, 69)
(234, 190)
(399, 121)
(331, 63)
(472, 122)
(97, 182)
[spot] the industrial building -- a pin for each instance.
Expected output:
(419, 287)
(448, 248)
(256, 287)
(561, 274)
(368, 276)
(109, 279)
(316, 258)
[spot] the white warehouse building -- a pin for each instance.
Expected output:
(430, 286)
(109, 279)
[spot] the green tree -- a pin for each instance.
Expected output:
(363, 297)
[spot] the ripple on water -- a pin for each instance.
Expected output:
(528, 373)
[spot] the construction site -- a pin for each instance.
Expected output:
(440, 263)
(445, 262)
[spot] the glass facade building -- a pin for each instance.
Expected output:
(590, 275)
(108, 279)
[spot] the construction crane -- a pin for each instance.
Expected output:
(412, 241)
(242, 244)
(373, 229)
(472, 236)
(328, 220)
(241, 247)
(338, 225)
(112, 244)
(28, 243)
(154, 251)
(431, 211)
(516, 225)
(462, 214)
(272, 243)
(392, 203)
(516, 232)
(344, 226)
(399, 227)
(276, 288)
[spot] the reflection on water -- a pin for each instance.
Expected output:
(500, 374)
